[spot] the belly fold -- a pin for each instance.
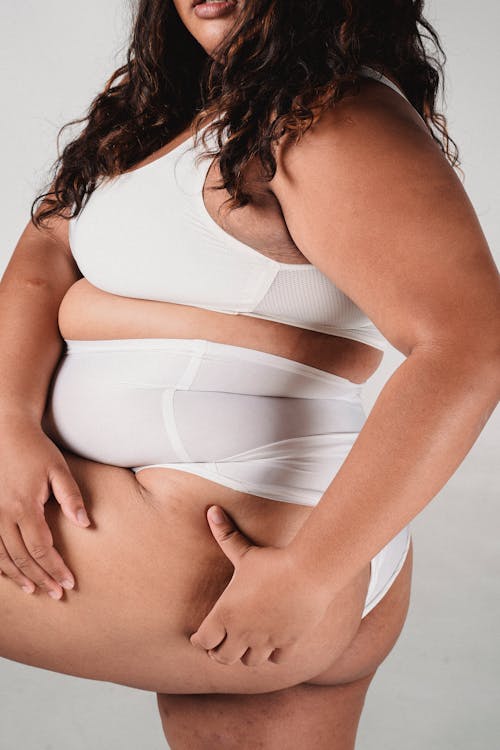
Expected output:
(258, 422)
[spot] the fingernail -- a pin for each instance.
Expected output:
(67, 584)
(28, 589)
(54, 594)
(216, 514)
(83, 517)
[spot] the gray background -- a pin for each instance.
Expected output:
(439, 687)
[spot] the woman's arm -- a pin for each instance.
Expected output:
(370, 199)
(39, 272)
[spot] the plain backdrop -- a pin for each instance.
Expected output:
(439, 687)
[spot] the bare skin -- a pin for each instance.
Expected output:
(148, 571)
(149, 566)
(150, 534)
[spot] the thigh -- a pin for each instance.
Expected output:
(296, 718)
(323, 712)
(377, 634)
(148, 571)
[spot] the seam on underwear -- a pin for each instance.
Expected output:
(208, 349)
(168, 397)
(268, 491)
(256, 453)
(282, 363)
(188, 376)
(167, 408)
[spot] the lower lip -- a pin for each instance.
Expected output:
(214, 10)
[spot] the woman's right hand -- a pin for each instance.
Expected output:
(31, 469)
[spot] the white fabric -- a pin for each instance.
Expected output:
(256, 422)
(253, 421)
(147, 234)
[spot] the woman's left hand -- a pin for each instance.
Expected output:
(267, 607)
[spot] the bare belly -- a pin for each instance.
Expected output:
(87, 312)
(151, 571)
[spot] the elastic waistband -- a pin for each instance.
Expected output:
(228, 352)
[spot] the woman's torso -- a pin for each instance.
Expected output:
(89, 312)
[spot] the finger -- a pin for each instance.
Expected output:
(22, 559)
(8, 568)
(233, 543)
(68, 495)
(229, 652)
(283, 655)
(210, 633)
(254, 657)
(39, 542)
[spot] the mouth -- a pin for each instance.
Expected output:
(210, 9)
(211, 2)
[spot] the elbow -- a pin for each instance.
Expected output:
(485, 369)
(475, 356)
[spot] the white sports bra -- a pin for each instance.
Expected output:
(147, 234)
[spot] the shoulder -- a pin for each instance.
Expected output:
(370, 199)
(371, 127)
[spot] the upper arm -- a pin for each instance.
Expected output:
(43, 257)
(369, 198)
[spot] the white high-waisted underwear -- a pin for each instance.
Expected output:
(256, 422)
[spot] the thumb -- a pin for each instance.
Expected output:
(68, 495)
(232, 542)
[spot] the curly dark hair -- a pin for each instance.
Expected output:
(280, 66)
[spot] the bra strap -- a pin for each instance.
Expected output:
(372, 73)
